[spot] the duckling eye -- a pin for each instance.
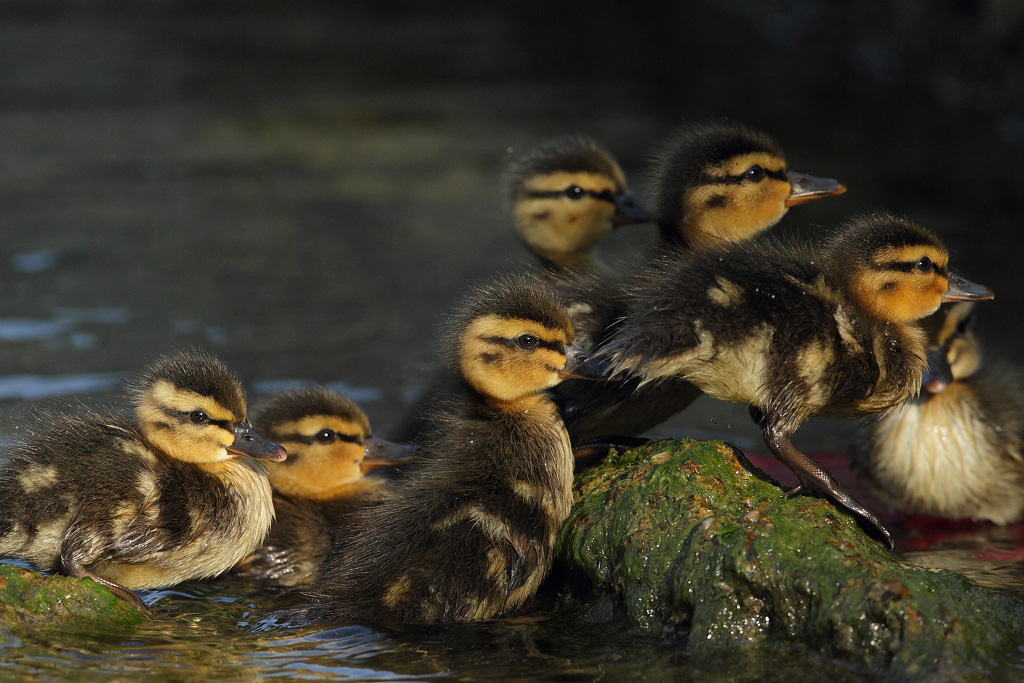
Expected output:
(754, 174)
(326, 435)
(527, 341)
(199, 417)
(925, 265)
(574, 192)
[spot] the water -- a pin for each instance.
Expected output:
(304, 187)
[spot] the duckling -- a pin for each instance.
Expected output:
(567, 195)
(719, 182)
(715, 183)
(469, 534)
(795, 333)
(173, 495)
(956, 451)
(321, 484)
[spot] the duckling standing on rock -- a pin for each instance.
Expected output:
(469, 534)
(957, 450)
(170, 496)
(567, 195)
(321, 484)
(795, 334)
(715, 184)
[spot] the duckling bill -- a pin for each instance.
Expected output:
(796, 334)
(469, 534)
(173, 495)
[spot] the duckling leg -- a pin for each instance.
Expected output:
(72, 567)
(815, 478)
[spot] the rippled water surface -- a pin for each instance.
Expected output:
(304, 187)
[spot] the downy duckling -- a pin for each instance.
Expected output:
(718, 182)
(170, 496)
(956, 450)
(567, 195)
(321, 484)
(714, 183)
(469, 534)
(795, 334)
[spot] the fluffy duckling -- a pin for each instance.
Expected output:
(714, 183)
(171, 495)
(470, 533)
(795, 334)
(321, 484)
(719, 182)
(956, 451)
(567, 195)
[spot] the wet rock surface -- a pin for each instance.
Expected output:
(686, 537)
(37, 604)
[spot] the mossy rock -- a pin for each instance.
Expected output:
(688, 537)
(33, 603)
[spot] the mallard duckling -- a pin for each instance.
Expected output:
(567, 195)
(955, 451)
(170, 496)
(719, 182)
(714, 183)
(469, 533)
(321, 484)
(795, 334)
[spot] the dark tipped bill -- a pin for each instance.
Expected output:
(938, 375)
(806, 188)
(381, 453)
(962, 289)
(248, 442)
(587, 368)
(575, 360)
(628, 210)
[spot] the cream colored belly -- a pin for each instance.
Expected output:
(938, 457)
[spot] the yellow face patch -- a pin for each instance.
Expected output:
(494, 364)
(316, 470)
(159, 419)
(893, 290)
(561, 229)
(721, 208)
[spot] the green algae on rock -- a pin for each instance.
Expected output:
(32, 602)
(688, 537)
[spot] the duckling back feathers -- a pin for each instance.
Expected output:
(470, 533)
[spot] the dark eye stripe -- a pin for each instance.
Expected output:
(310, 440)
(511, 343)
(603, 195)
(908, 267)
(707, 179)
(182, 416)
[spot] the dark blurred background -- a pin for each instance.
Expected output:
(304, 186)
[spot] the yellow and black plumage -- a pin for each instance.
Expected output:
(714, 184)
(171, 495)
(321, 485)
(795, 333)
(956, 451)
(567, 195)
(469, 533)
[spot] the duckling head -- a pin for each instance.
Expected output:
(512, 339)
(895, 269)
(717, 182)
(567, 195)
(953, 351)
(328, 441)
(191, 407)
